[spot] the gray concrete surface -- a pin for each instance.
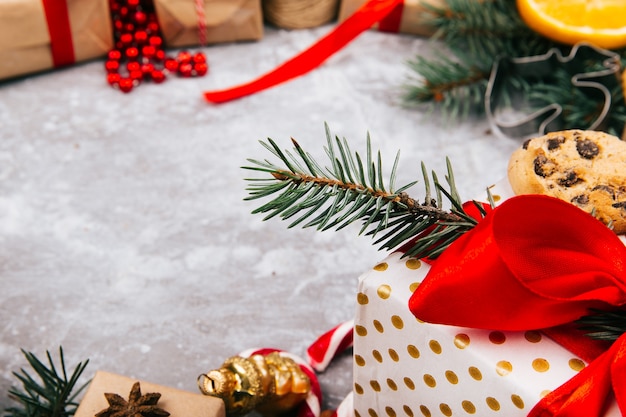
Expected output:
(124, 236)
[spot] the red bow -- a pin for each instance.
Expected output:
(532, 263)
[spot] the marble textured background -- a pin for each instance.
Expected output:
(124, 236)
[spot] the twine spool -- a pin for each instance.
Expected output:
(299, 14)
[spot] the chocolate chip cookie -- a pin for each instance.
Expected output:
(586, 168)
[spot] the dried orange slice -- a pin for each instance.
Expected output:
(600, 22)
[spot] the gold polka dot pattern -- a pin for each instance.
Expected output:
(469, 407)
(497, 338)
(378, 326)
(375, 385)
(461, 340)
(504, 368)
(576, 364)
(435, 346)
(381, 267)
(532, 336)
(541, 365)
(358, 359)
(405, 367)
(475, 373)
(409, 383)
(384, 291)
(517, 401)
(430, 381)
(397, 322)
(492, 403)
(413, 263)
(413, 351)
(362, 299)
(451, 377)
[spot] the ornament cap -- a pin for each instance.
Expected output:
(270, 384)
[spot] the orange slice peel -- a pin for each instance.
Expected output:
(600, 22)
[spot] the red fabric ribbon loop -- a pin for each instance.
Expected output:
(533, 262)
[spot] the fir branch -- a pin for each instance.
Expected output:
(53, 396)
(483, 31)
(352, 190)
(477, 34)
(454, 87)
(604, 325)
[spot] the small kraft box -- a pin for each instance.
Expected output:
(408, 17)
(404, 367)
(219, 21)
(176, 402)
(38, 35)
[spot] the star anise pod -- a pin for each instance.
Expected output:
(137, 405)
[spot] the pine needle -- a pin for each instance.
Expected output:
(349, 191)
(53, 396)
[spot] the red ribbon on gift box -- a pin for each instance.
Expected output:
(391, 22)
(537, 262)
(371, 12)
(61, 44)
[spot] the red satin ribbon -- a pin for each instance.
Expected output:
(61, 44)
(532, 263)
(368, 14)
(391, 22)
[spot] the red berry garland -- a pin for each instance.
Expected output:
(138, 55)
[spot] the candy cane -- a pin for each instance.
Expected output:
(329, 345)
(346, 408)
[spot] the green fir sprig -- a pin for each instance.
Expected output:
(456, 89)
(480, 32)
(603, 325)
(53, 395)
(477, 35)
(352, 189)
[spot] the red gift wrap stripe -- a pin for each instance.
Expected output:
(61, 44)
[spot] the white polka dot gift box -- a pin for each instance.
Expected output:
(405, 367)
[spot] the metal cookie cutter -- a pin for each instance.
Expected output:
(596, 85)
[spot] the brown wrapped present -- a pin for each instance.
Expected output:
(36, 35)
(173, 401)
(406, 18)
(223, 21)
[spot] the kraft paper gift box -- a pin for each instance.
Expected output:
(407, 368)
(225, 21)
(407, 18)
(25, 45)
(176, 402)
